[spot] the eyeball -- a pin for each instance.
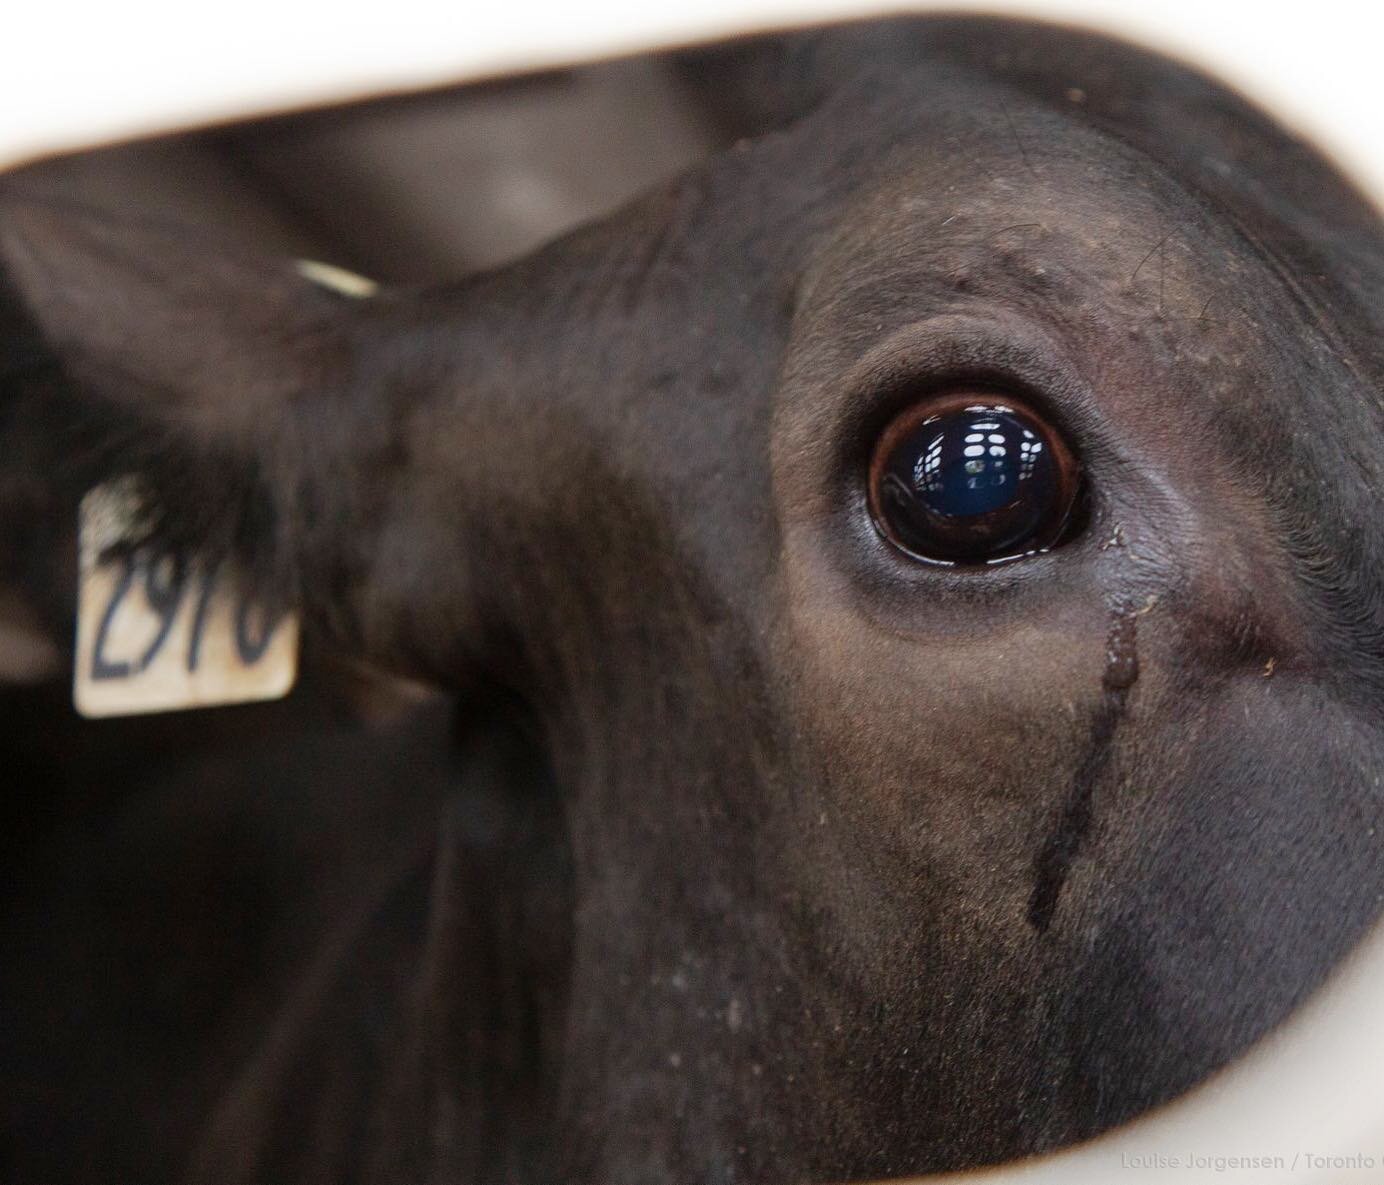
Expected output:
(972, 477)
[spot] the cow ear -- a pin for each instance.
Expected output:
(323, 441)
(172, 329)
(225, 386)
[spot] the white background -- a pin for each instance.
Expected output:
(73, 74)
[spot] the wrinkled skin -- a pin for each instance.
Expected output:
(864, 867)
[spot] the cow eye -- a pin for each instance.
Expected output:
(970, 477)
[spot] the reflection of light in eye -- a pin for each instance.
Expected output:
(996, 438)
(1037, 448)
(976, 450)
(975, 437)
(975, 466)
(1027, 434)
(996, 450)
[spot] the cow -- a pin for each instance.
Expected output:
(911, 581)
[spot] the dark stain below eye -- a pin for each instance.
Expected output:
(1054, 862)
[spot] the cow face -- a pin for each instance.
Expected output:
(912, 824)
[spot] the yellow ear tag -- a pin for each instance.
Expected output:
(154, 639)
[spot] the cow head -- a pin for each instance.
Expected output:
(905, 831)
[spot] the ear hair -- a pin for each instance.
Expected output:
(178, 364)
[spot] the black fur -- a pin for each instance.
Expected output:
(825, 865)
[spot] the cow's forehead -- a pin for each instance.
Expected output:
(1024, 214)
(1066, 215)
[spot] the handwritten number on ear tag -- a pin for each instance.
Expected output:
(153, 636)
(102, 667)
(199, 619)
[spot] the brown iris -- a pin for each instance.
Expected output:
(971, 477)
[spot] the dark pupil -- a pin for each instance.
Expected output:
(972, 484)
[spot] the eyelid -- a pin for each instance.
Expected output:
(1006, 352)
